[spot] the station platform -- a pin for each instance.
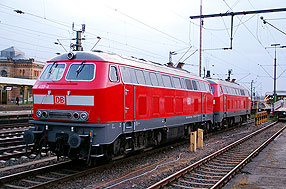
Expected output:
(14, 110)
(14, 107)
(10, 114)
(267, 170)
(14, 113)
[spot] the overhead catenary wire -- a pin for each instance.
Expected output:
(265, 22)
(243, 77)
(251, 32)
(58, 22)
(25, 42)
(31, 30)
(23, 47)
(184, 54)
(224, 61)
(116, 46)
(35, 21)
(266, 72)
(38, 37)
(275, 19)
(23, 12)
(147, 25)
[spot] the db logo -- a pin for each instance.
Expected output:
(60, 100)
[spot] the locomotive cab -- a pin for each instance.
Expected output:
(69, 98)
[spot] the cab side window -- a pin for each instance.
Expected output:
(113, 74)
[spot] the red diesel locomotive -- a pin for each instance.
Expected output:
(231, 102)
(94, 104)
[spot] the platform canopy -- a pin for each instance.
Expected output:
(17, 81)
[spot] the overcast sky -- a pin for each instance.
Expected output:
(149, 29)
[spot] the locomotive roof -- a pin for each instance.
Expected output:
(226, 83)
(129, 61)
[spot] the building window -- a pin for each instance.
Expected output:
(23, 73)
(20, 72)
(4, 73)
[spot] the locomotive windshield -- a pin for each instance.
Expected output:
(53, 72)
(81, 71)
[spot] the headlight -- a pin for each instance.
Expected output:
(39, 114)
(84, 116)
(75, 115)
(45, 114)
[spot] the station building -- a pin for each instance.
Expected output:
(18, 73)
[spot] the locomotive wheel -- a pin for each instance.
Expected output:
(159, 138)
(91, 162)
(116, 146)
(225, 123)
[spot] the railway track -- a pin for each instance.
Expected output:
(40, 176)
(12, 148)
(49, 175)
(15, 118)
(217, 169)
(13, 133)
(54, 174)
(11, 141)
(8, 126)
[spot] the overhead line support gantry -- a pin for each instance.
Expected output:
(232, 14)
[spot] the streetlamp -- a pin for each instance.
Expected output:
(275, 46)
(274, 95)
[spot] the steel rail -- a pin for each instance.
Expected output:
(11, 141)
(11, 134)
(7, 132)
(9, 178)
(3, 127)
(182, 172)
(227, 177)
(13, 148)
(76, 174)
(62, 178)
(14, 155)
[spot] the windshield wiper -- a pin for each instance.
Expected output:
(51, 68)
(79, 69)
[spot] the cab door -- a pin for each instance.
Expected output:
(224, 99)
(204, 105)
(129, 108)
(224, 103)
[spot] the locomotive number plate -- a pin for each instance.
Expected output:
(60, 100)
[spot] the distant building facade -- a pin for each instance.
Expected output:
(14, 64)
